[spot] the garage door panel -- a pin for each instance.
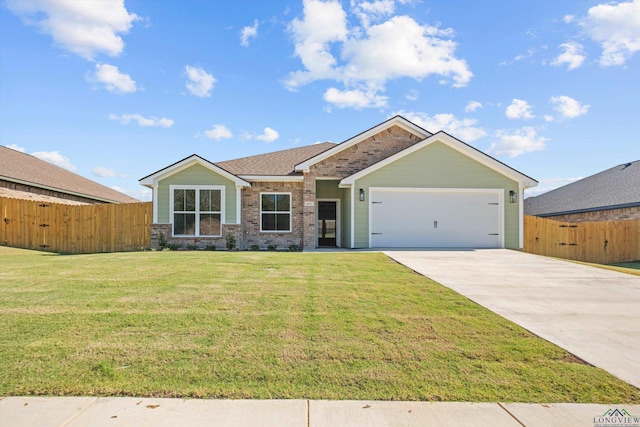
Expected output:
(423, 218)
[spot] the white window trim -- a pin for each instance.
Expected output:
(172, 188)
(275, 212)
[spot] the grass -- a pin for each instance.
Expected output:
(621, 267)
(267, 325)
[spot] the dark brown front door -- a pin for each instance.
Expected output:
(327, 224)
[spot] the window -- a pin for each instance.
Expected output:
(275, 212)
(197, 211)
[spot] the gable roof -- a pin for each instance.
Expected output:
(26, 169)
(394, 121)
(194, 159)
(456, 144)
(276, 163)
(613, 188)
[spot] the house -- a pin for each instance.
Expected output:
(394, 185)
(23, 176)
(608, 195)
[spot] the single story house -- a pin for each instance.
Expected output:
(394, 185)
(23, 176)
(608, 195)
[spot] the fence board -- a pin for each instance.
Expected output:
(602, 242)
(75, 229)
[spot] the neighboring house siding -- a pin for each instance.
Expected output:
(196, 175)
(601, 215)
(436, 166)
(251, 215)
(45, 192)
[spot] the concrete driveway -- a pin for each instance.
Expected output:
(591, 312)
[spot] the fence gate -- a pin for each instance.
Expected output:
(602, 242)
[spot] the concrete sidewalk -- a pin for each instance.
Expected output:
(129, 411)
(591, 312)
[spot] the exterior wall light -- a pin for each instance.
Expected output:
(362, 194)
(513, 197)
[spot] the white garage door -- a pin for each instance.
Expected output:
(435, 218)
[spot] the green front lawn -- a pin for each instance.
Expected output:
(267, 325)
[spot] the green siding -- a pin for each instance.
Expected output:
(327, 189)
(197, 175)
(436, 166)
(345, 206)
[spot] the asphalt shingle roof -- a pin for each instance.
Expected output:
(277, 163)
(613, 188)
(15, 165)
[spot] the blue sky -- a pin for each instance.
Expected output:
(115, 90)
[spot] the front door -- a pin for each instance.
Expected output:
(327, 224)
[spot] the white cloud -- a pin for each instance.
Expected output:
(85, 28)
(568, 18)
(142, 194)
(104, 172)
(548, 184)
(56, 158)
(519, 109)
(248, 33)
(218, 132)
(519, 142)
(464, 129)
(617, 28)
(357, 99)
(573, 55)
(199, 82)
(368, 11)
(16, 147)
(568, 107)
(269, 135)
(472, 106)
(363, 58)
(113, 79)
(412, 95)
(142, 121)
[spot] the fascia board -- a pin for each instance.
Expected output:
(272, 178)
(151, 180)
(395, 121)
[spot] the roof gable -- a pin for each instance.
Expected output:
(23, 168)
(394, 121)
(456, 144)
(151, 180)
(616, 187)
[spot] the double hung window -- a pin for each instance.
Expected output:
(275, 212)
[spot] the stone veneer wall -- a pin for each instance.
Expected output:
(251, 216)
(605, 215)
(346, 163)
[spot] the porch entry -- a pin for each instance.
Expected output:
(327, 224)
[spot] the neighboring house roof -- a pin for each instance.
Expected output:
(456, 144)
(35, 197)
(614, 188)
(26, 169)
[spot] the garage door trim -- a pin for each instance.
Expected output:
(498, 191)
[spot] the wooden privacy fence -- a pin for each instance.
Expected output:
(602, 242)
(75, 229)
